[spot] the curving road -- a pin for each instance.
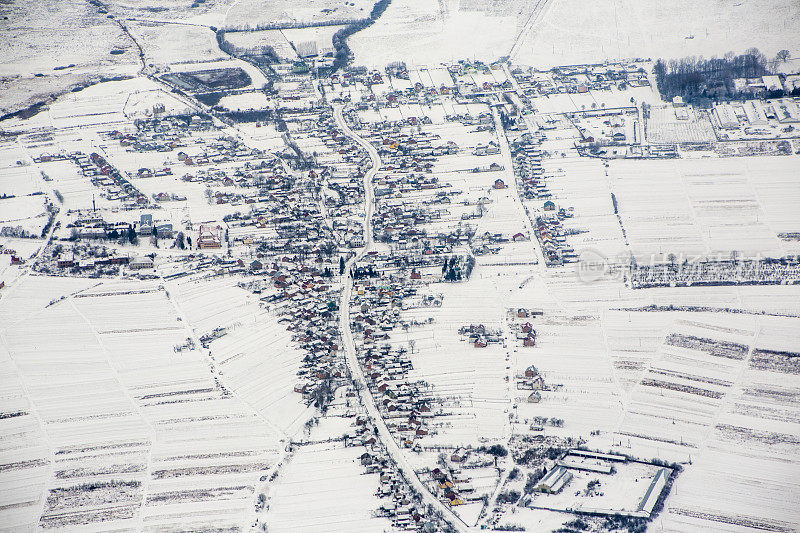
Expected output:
(393, 449)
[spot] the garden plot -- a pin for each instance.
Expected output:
(475, 407)
(17, 179)
(681, 393)
(25, 301)
(82, 407)
(321, 36)
(26, 212)
(96, 108)
(244, 102)
(664, 126)
(581, 184)
(275, 39)
(633, 340)
(141, 101)
(780, 300)
(572, 358)
(612, 98)
(705, 207)
(209, 448)
(431, 77)
(745, 475)
(24, 467)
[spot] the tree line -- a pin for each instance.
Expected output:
(699, 80)
(341, 50)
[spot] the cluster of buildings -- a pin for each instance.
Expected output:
(756, 114)
(376, 305)
(581, 78)
(531, 178)
(479, 336)
(307, 304)
(397, 499)
(104, 175)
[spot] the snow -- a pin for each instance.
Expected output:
(566, 32)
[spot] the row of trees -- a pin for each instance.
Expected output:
(342, 51)
(258, 54)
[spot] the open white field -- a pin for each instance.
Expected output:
(559, 32)
(44, 52)
(470, 381)
(165, 44)
(574, 31)
(322, 487)
(256, 358)
(141, 435)
(276, 39)
(321, 36)
(251, 13)
(722, 395)
(428, 33)
(708, 207)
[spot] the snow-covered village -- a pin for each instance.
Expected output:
(400, 266)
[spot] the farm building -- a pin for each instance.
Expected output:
(141, 263)
(772, 83)
(725, 116)
(554, 481)
(754, 113)
(499, 184)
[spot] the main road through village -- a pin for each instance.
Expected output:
(392, 448)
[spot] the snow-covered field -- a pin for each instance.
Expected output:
(573, 31)
(563, 32)
(184, 398)
(427, 33)
(119, 405)
(708, 207)
(251, 13)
